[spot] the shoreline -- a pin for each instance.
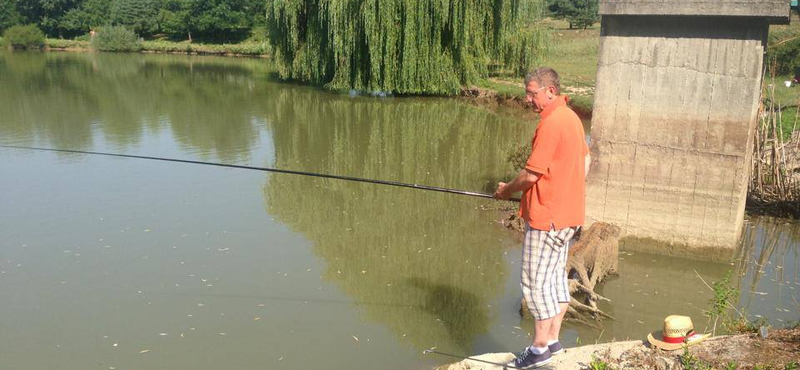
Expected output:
(779, 350)
(251, 50)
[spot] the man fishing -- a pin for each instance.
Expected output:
(552, 205)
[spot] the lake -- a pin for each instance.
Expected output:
(115, 263)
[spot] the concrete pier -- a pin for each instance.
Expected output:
(678, 87)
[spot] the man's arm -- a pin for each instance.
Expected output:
(524, 180)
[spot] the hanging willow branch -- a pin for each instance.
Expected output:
(403, 46)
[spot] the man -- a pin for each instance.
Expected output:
(552, 205)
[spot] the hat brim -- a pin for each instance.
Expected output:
(653, 339)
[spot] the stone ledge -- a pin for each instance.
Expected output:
(775, 11)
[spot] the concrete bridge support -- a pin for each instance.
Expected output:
(678, 87)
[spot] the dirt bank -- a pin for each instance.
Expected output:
(780, 350)
(515, 104)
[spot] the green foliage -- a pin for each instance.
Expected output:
(406, 47)
(599, 364)
(9, 16)
(24, 37)
(67, 44)
(720, 304)
(219, 20)
(518, 155)
(89, 15)
(790, 366)
(744, 326)
(785, 56)
(46, 14)
(691, 362)
(579, 13)
(251, 49)
(137, 15)
(116, 38)
(211, 19)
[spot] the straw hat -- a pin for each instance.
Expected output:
(678, 331)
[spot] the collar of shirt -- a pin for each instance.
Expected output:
(560, 101)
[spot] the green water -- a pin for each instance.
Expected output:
(129, 264)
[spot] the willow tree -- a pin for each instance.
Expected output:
(402, 46)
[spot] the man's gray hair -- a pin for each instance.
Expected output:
(544, 76)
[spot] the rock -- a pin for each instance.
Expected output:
(577, 358)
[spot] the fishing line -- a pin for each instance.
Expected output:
(266, 169)
(504, 366)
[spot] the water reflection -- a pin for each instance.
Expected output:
(424, 268)
(767, 269)
(432, 258)
(59, 100)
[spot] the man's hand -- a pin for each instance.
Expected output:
(500, 192)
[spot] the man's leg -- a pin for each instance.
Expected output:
(565, 240)
(540, 278)
(555, 327)
(544, 329)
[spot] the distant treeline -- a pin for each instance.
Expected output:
(213, 20)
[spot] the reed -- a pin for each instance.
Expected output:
(774, 188)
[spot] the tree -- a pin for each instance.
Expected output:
(579, 13)
(89, 15)
(8, 15)
(211, 19)
(178, 18)
(401, 46)
(47, 14)
(586, 13)
(138, 15)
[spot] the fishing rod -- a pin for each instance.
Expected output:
(266, 169)
(504, 366)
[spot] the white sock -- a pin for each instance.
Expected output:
(538, 350)
(551, 342)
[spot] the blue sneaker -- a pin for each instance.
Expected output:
(529, 360)
(555, 348)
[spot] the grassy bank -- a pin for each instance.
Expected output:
(573, 53)
(254, 49)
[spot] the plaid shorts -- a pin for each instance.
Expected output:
(544, 270)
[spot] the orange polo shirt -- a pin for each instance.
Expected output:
(559, 150)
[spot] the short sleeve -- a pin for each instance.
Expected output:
(544, 147)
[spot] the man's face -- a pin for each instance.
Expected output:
(537, 96)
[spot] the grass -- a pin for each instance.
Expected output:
(67, 44)
(599, 364)
(247, 48)
(785, 97)
(573, 54)
(244, 48)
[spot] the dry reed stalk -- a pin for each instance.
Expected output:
(772, 184)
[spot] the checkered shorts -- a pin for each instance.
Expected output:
(544, 264)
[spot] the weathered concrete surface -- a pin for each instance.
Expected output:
(774, 10)
(577, 358)
(674, 112)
